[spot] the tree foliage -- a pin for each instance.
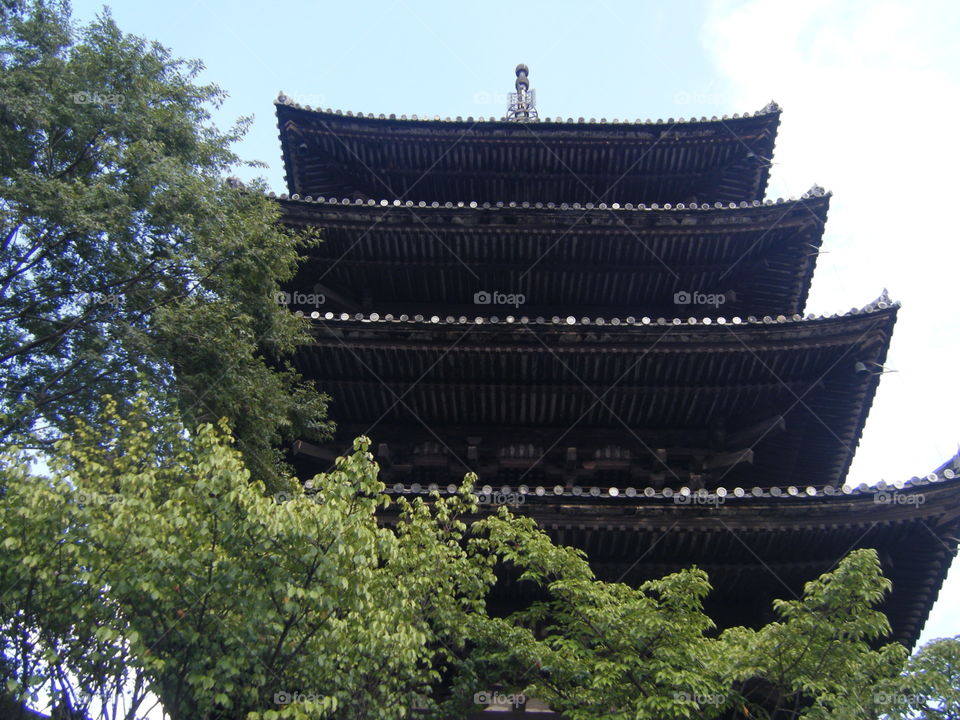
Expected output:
(185, 578)
(606, 650)
(127, 260)
(146, 562)
(929, 688)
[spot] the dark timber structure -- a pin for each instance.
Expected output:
(604, 321)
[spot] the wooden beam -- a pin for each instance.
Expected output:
(338, 298)
(728, 459)
(752, 433)
(301, 447)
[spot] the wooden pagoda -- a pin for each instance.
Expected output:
(604, 320)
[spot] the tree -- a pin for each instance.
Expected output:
(179, 576)
(148, 563)
(818, 661)
(929, 688)
(127, 259)
(605, 650)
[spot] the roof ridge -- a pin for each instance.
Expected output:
(771, 108)
(570, 320)
(942, 474)
(815, 192)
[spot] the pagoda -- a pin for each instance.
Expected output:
(605, 321)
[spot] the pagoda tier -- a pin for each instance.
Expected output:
(756, 548)
(357, 156)
(435, 258)
(562, 401)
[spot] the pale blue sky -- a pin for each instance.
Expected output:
(865, 86)
(436, 58)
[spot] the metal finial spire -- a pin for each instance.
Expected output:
(522, 105)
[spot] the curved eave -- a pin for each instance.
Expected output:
(546, 374)
(295, 202)
(913, 524)
(412, 256)
(881, 307)
(771, 109)
(809, 506)
(750, 137)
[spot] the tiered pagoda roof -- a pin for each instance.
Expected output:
(396, 256)
(524, 298)
(756, 545)
(364, 156)
(761, 401)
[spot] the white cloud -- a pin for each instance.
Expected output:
(871, 94)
